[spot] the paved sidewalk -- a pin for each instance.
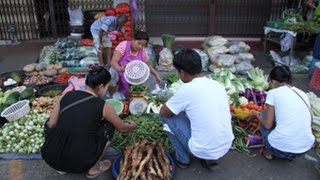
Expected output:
(233, 166)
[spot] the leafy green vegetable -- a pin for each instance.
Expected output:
(139, 88)
(26, 93)
(11, 98)
(167, 40)
(148, 127)
(171, 78)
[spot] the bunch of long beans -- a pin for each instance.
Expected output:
(148, 128)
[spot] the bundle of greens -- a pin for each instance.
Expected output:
(148, 128)
(168, 40)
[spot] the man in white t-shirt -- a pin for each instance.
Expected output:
(197, 116)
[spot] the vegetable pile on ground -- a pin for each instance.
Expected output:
(144, 160)
(24, 135)
(14, 95)
(225, 54)
(148, 127)
(247, 135)
(44, 104)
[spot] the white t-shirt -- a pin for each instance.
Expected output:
(206, 105)
(293, 122)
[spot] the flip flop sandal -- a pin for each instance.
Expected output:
(62, 172)
(106, 164)
(209, 164)
(266, 154)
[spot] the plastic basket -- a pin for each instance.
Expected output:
(82, 70)
(116, 166)
(16, 110)
(136, 72)
(315, 80)
(118, 106)
(56, 90)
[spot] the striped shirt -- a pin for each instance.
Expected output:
(107, 24)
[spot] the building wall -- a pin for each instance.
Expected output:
(43, 19)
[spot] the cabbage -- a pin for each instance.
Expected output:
(259, 79)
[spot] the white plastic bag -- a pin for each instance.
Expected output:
(223, 60)
(284, 60)
(294, 60)
(216, 41)
(151, 54)
(165, 60)
(75, 16)
(218, 50)
(286, 41)
(243, 67)
(248, 57)
(237, 47)
(204, 59)
(114, 76)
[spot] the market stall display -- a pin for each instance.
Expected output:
(233, 55)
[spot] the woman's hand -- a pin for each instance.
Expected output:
(122, 68)
(132, 124)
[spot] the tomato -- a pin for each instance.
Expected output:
(232, 108)
(251, 106)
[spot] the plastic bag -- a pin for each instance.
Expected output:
(152, 55)
(299, 69)
(248, 57)
(204, 59)
(89, 60)
(215, 41)
(165, 60)
(237, 47)
(286, 41)
(75, 83)
(114, 77)
(294, 60)
(278, 60)
(243, 67)
(118, 96)
(75, 16)
(225, 60)
(276, 57)
(218, 50)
